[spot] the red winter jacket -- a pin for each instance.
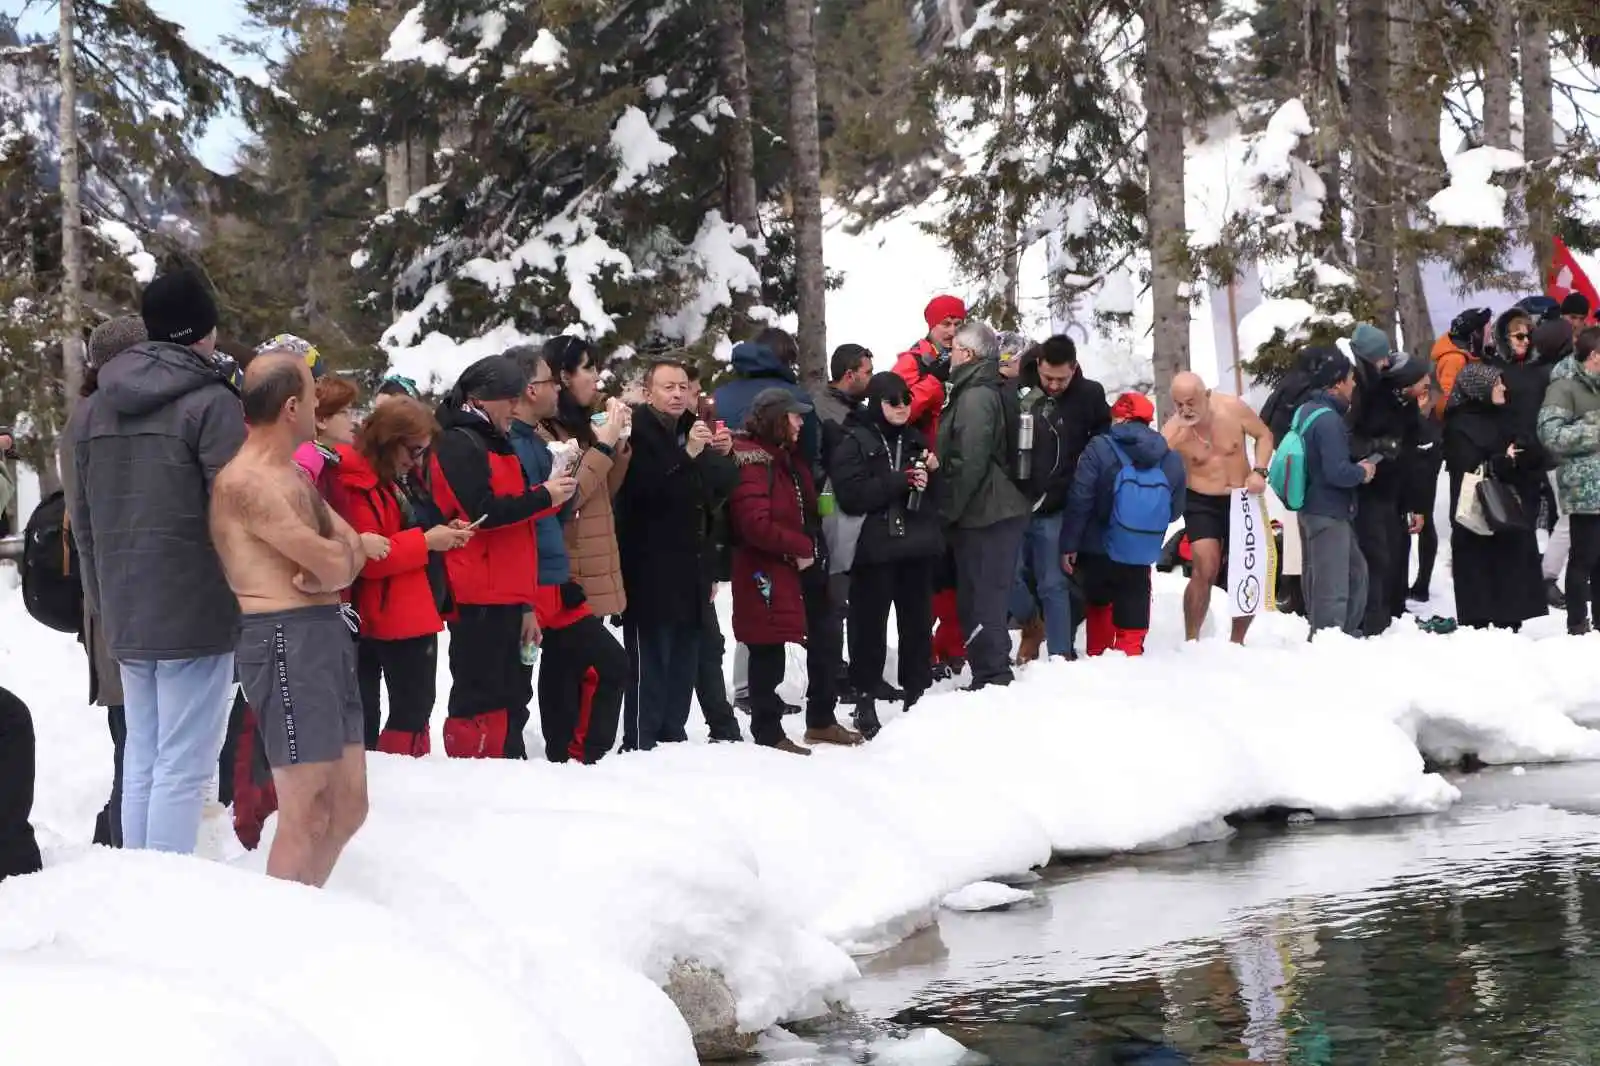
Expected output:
(771, 510)
(927, 391)
(476, 474)
(392, 595)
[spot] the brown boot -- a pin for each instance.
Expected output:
(834, 734)
(1032, 640)
(791, 747)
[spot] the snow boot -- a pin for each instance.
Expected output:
(1129, 641)
(482, 736)
(1032, 640)
(789, 746)
(1581, 629)
(399, 742)
(866, 719)
(1101, 631)
(833, 734)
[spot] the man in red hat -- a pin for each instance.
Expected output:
(1129, 487)
(926, 366)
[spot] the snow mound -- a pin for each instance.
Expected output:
(921, 1047)
(984, 896)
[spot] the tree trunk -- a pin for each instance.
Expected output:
(1497, 74)
(1538, 137)
(1323, 35)
(739, 150)
(1164, 132)
(1011, 232)
(806, 191)
(1408, 118)
(71, 216)
(1373, 148)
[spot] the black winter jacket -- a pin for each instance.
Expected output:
(1063, 426)
(870, 460)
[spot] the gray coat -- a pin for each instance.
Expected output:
(145, 448)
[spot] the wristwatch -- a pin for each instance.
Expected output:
(1263, 471)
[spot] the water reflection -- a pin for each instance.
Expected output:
(1465, 967)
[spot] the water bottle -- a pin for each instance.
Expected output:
(914, 501)
(1025, 445)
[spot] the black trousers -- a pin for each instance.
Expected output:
(663, 662)
(19, 851)
(766, 708)
(582, 673)
(824, 648)
(1376, 519)
(1583, 570)
(108, 823)
(486, 672)
(409, 670)
(1123, 587)
(711, 683)
(907, 586)
(986, 566)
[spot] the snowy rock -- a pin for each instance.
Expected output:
(984, 896)
(923, 1047)
(702, 996)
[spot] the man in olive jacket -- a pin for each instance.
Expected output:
(986, 511)
(1569, 426)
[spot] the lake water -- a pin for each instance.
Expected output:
(1467, 939)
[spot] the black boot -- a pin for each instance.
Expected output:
(1553, 594)
(866, 719)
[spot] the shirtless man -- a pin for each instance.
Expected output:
(1208, 431)
(286, 556)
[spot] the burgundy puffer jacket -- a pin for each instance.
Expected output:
(771, 510)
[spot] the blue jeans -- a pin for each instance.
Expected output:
(1040, 557)
(177, 712)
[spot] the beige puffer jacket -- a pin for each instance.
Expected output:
(592, 534)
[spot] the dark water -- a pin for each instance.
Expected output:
(1471, 938)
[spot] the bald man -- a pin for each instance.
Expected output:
(286, 556)
(1208, 430)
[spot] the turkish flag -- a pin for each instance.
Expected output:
(1567, 276)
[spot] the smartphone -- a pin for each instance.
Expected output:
(708, 409)
(1375, 458)
(479, 522)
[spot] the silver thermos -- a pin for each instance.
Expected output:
(1025, 445)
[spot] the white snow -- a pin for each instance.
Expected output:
(1288, 315)
(129, 246)
(725, 269)
(984, 896)
(637, 147)
(924, 1047)
(545, 51)
(1472, 200)
(409, 42)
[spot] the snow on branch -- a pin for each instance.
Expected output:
(1472, 200)
(638, 148)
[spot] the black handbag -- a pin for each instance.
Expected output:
(1503, 508)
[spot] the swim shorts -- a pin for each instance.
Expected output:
(298, 670)
(1208, 517)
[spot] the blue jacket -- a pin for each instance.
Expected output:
(1088, 510)
(534, 453)
(1332, 477)
(757, 369)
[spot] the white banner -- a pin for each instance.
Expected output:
(1252, 557)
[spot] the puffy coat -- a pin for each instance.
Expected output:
(972, 451)
(1088, 509)
(592, 533)
(927, 391)
(1569, 428)
(664, 516)
(869, 467)
(1448, 359)
(757, 368)
(393, 595)
(774, 516)
(476, 474)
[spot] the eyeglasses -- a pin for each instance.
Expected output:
(418, 453)
(542, 381)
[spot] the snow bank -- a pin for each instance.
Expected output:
(551, 901)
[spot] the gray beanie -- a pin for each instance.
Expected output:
(114, 336)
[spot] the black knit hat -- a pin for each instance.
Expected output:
(1328, 366)
(1576, 303)
(177, 308)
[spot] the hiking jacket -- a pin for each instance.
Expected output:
(664, 514)
(592, 534)
(869, 479)
(915, 367)
(1332, 477)
(756, 368)
(145, 449)
(1094, 484)
(533, 452)
(476, 474)
(1062, 428)
(396, 596)
(1569, 428)
(833, 408)
(1448, 358)
(773, 513)
(972, 451)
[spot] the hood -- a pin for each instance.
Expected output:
(152, 375)
(1323, 398)
(1571, 367)
(747, 451)
(1501, 353)
(758, 361)
(1552, 341)
(354, 472)
(1445, 345)
(1144, 445)
(451, 416)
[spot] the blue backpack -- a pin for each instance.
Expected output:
(1141, 510)
(1287, 474)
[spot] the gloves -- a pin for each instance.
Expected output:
(939, 369)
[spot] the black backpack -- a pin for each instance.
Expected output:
(51, 589)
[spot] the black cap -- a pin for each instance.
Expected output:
(177, 308)
(1576, 303)
(783, 399)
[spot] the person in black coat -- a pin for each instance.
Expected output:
(1381, 425)
(19, 851)
(1419, 472)
(1498, 579)
(876, 475)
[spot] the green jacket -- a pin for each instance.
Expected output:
(1569, 427)
(972, 451)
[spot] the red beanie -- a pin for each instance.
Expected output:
(942, 307)
(1135, 407)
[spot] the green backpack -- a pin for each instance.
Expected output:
(1287, 474)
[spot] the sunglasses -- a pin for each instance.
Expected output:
(898, 401)
(1520, 336)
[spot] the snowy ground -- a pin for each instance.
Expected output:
(550, 901)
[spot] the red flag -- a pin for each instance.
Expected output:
(1567, 276)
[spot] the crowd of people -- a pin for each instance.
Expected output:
(260, 559)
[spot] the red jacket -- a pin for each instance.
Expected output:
(927, 391)
(476, 474)
(392, 595)
(771, 510)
